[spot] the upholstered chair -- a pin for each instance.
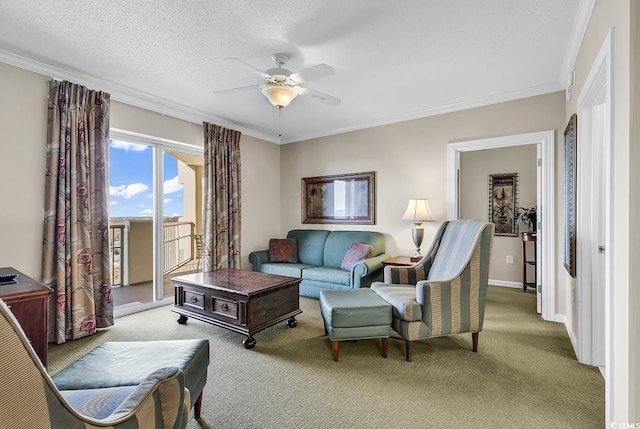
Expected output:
(445, 292)
(29, 399)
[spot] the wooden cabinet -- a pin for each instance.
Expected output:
(28, 300)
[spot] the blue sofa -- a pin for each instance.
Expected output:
(320, 254)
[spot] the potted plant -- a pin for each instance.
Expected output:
(527, 216)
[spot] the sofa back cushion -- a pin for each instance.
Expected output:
(338, 243)
(311, 243)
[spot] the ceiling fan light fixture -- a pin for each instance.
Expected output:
(279, 96)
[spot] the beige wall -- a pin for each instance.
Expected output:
(409, 159)
(475, 168)
(625, 403)
(23, 105)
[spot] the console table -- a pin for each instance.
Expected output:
(528, 238)
(28, 300)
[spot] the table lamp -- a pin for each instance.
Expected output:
(417, 212)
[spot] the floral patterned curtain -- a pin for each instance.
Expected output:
(75, 256)
(221, 198)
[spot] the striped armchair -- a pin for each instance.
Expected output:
(445, 292)
(29, 399)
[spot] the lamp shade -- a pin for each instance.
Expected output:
(279, 95)
(418, 211)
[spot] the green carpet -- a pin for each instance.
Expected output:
(524, 375)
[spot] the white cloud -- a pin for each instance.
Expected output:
(172, 185)
(147, 212)
(167, 200)
(113, 203)
(128, 191)
(129, 147)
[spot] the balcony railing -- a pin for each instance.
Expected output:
(178, 242)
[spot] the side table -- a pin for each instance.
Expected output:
(398, 261)
(528, 237)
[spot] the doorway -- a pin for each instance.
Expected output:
(545, 269)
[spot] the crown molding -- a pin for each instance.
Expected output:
(439, 110)
(127, 95)
(578, 31)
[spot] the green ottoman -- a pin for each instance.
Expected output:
(115, 364)
(355, 314)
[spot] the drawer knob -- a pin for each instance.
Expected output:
(224, 307)
(194, 299)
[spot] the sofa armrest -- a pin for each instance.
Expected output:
(367, 267)
(258, 258)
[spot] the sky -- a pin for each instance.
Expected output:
(130, 182)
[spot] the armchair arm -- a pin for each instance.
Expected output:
(367, 267)
(408, 275)
(164, 388)
(258, 258)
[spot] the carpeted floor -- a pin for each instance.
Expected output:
(524, 375)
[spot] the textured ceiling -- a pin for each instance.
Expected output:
(393, 61)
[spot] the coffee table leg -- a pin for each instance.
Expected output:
(182, 319)
(249, 342)
(292, 322)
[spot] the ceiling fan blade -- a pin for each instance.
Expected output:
(255, 69)
(236, 90)
(320, 96)
(314, 72)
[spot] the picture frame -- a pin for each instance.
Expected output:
(503, 203)
(339, 199)
(570, 183)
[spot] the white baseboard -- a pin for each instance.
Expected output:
(504, 283)
(562, 318)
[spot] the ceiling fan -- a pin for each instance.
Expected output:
(281, 86)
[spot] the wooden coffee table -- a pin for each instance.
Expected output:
(242, 301)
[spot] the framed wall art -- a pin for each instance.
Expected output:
(343, 198)
(503, 203)
(570, 195)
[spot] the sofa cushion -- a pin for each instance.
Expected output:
(356, 252)
(311, 244)
(284, 269)
(98, 403)
(283, 250)
(327, 275)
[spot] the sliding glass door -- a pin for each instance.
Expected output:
(155, 217)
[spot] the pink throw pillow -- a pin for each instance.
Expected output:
(283, 250)
(355, 253)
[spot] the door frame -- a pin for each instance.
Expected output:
(546, 268)
(597, 90)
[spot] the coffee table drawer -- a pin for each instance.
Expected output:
(194, 299)
(225, 308)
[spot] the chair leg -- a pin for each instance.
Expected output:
(385, 347)
(407, 346)
(336, 350)
(198, 406)
(474, 336)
